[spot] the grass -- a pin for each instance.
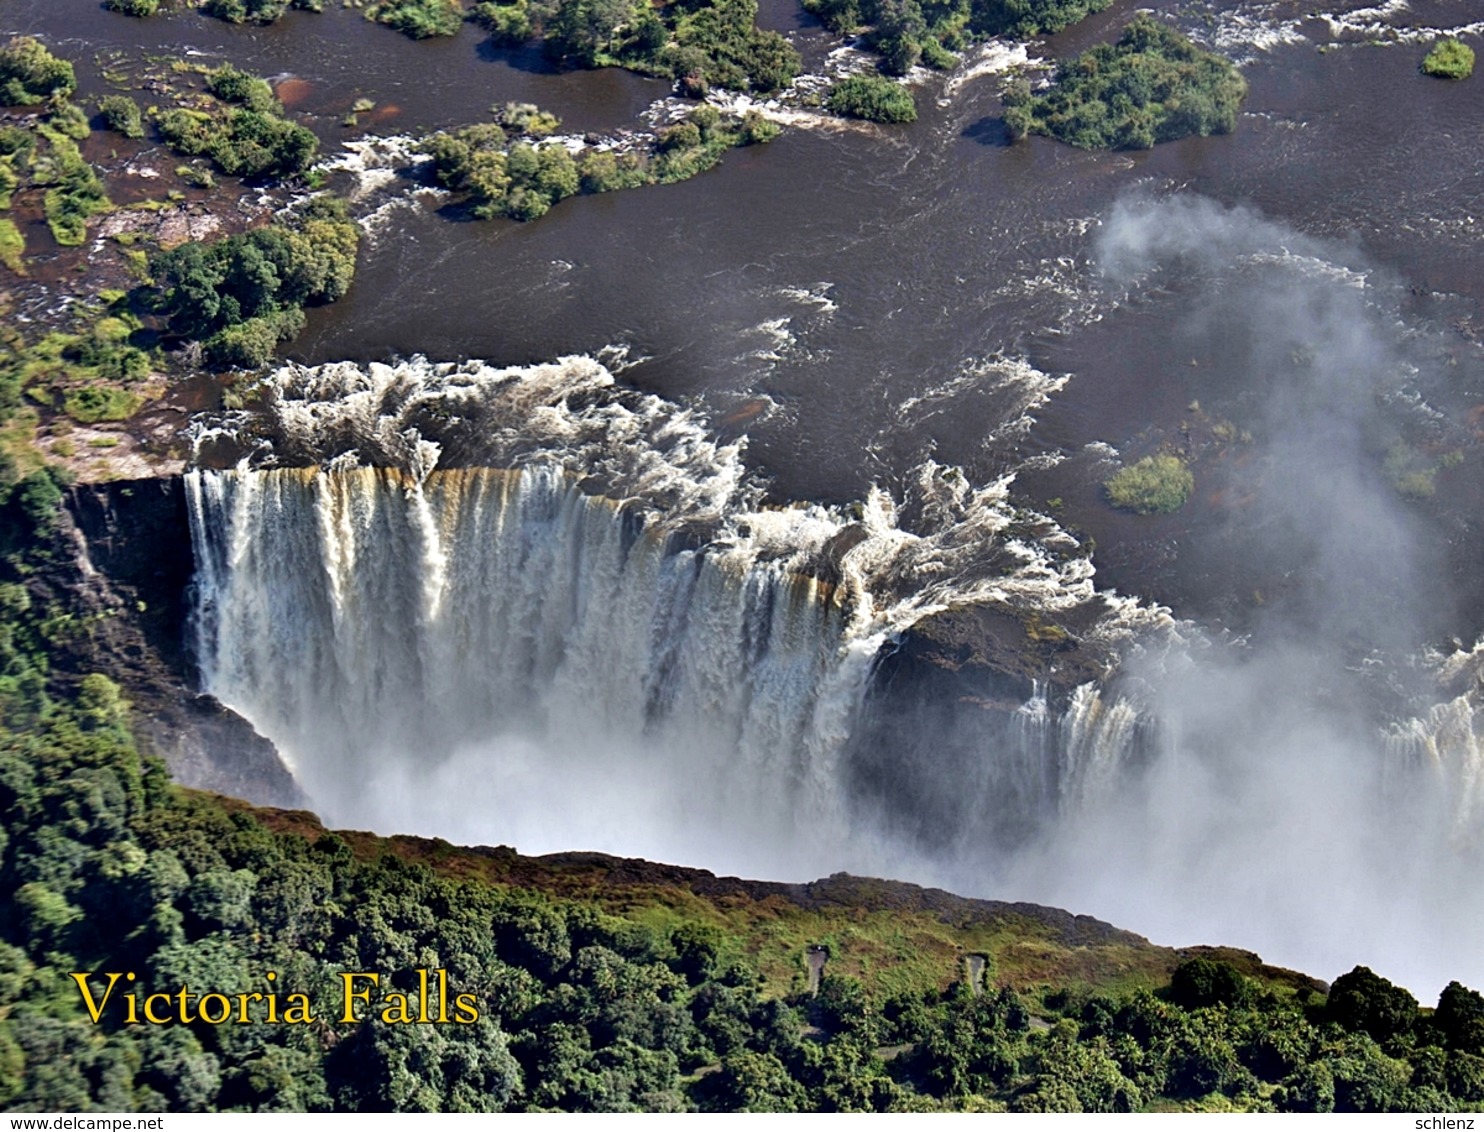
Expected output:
(1449, 59)
(893, 937)
(1155, 485)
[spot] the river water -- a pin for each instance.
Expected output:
(1295, 306)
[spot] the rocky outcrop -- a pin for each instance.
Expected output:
(128, 568)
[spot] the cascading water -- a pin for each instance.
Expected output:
(607, 643)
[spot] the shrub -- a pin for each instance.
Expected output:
(1153, 485)
(873, 98)
(257, 11)
(94, 403)
(29, 73)
(12, 246)
(1449, 59)
(133, 7)
(506, 23)
(120, 114)
(419, 19)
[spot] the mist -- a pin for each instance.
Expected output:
(1298, 798)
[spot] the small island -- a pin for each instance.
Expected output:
(1153, 85)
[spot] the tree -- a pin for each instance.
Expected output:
(1362, 1000)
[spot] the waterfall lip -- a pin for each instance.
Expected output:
(942, 544)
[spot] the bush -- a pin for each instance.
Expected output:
(94, 403)
(12, 246)
(257, 11)
(133, 7)
(873, 98)
(1153, 485)
(1449, 59)
(506, 23)
(120, 114)
(29, 73)
(419, 19)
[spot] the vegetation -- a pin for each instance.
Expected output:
(92, 374)
(244, 294)
(243, 131)
(504, 171)
(74, 191)
(420, 19)
(12, 246)
(1153, 485)
(1154, 85)
(120, 114)
(133, 7)
(257, 11)
(908, 32)
(699, 43)
(873, 98)
(1449, 59)
(29, 73)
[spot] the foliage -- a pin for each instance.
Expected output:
(1363, 1000)
(873, 98)
(244, 132)
(1153, 485)
(419, 19)
(74, 191)
(1449, 59)
(700, 43)
(906, 32)
(12, 246)
(505, 172)
(1154, 85)
(29, 73)
(133, 7)
(257, 11)
(120, 114)
(245, 293)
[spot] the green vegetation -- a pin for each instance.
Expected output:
(873, 98)
(244, 294)
(1412, 472)
(29, 73)
(120, 114)
(89, 373)
(257, 11)
(74, 191)
(12, 246)
(699, 43)
(420, 19)
(243, 131)
(133, 7)
(1153, 485)
(908, 32)
(1449, 59)
(1154, 85)
(503, 172)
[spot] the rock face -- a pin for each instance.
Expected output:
(130, 568)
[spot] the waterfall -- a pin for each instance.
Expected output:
(528, 605)
(453, 655)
